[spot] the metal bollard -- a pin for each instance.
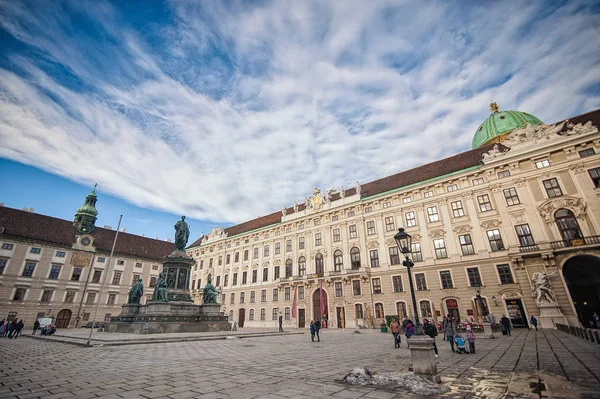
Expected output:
(585, 334)
(597, 336)
(590, 335)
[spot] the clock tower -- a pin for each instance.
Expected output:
(86, 215)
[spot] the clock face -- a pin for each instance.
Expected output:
(86, 241)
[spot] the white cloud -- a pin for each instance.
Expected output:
(225, 114)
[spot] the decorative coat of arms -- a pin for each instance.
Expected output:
(316, 201)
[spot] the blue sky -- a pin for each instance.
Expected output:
(225, 111)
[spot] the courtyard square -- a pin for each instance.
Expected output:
(291, 366)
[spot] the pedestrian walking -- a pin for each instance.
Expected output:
(430, 329)
(312, 330)
(2, 328)
(20, 326)
(280, 323)
(36, 326)
(409, 330)
(505, 325)
(449, 329)
(533, 321)
(317, 328)
(470, 339)
(395, 327)
(596, 319)
(12, 328)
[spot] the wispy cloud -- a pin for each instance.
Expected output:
(226, 111)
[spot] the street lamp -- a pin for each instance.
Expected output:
(481, 308)
(403, 241)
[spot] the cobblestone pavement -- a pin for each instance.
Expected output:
(293, 367)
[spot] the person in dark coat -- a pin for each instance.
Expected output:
(312, 330)
(36, 326)
(280, 323)
(449, 330)
(505, 324)
(317, 328)
(533, 321)
(20, 326)
(12, 329)
(430, 329)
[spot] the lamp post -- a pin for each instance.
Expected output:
(403, 241)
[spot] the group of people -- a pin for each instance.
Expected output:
(409, 329)
(11, 329)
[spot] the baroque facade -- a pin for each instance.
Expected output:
(51, 267)
(524, 200)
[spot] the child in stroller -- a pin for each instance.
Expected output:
(461, 346)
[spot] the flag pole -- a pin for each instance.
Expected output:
(112, 251)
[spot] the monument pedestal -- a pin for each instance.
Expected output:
(423, 359)
(178, 314)
(550, 315)
(487, 330)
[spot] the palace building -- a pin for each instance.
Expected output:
(52, 267)
(524, 200)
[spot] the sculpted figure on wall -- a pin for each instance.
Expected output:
(542, 290)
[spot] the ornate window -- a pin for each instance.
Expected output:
(265, 251)
(275, 313)
(411, 219)
(352, 231)
(421, 282)
(263, 314)
(289, 268)
(301, 266)
(242, 297)
(288, 246)
(446, 279)
(301, 242)
(319, 264)
(338, 261)
(356, 289)
(425, 308)
(457, 209)
(394, 255)
(244, 278)
(417, 255)
(275, 294)
(595, 175)
(54, 272)
(474, 276)
(277, 248)
(401, 309)
(552, 188)
(440, 248)
(567, 224)
(374, 256)
(29, 268)
(300, 292)
(286, 293)
(503, 173)
(266, 274)
(495, 240)
(432, 214)
(318, 239)
(524, 235)
(232, 298)
(511, 197)
(389, 224)
(371, 228)
(505, 274)
(376, 285)
(287, 314)
(466, 244)
(70, 297)
(358, 311)
(379, 311)
(276, 272)
(397, 283)
(484, 202)
(251, 315)
(355, 258)
(235, 276)
(338, 289)
(336, 235)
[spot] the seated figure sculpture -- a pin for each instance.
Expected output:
(135, 292)
(210, 293)
(160, 291)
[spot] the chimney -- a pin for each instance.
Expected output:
(107, 227)
(156, 238)
(123, 230)
(1, 203)
(28, 209)
(143, 235)
(168, 240)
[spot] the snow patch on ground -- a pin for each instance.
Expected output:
(231, 337)
(415, 384)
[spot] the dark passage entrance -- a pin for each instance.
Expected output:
(241, 317)
(582, 274)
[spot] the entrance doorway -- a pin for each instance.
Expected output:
(582, 275)
(301, 318)
(516, 313)
(317, 306)
(241, 317)
(452, 306)
(341, 317)
(63, 318)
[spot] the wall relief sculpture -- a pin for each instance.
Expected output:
(549, 207)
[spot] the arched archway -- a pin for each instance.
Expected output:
(316, 299)
(63, 318)
(582, 275)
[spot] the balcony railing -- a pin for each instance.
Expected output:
(575, 242)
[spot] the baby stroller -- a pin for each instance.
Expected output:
(461, 345)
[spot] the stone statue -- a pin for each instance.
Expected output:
(308, 203)
(493, 153)
(135, 292)
(542, 291)
(160, 290)
(295, 206)
(209, 295)
(283, 211)
(342, 192)
(182, 233)
(357, 188)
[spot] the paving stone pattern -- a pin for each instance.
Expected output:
(527, 364)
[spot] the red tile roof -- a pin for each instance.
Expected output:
(36, 227)
(431, 170)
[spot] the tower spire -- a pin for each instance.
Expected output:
(86, 215)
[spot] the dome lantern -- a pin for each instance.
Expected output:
(501, 123)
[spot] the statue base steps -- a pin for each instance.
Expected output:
(168, 317)
(550, 315)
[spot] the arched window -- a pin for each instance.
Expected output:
(319, 264)
(288, 268)
(287, 314)
(401, 310)
(379, 311)
(567, 224)
(251, 315)
(355, 258)
(358, 311)
(263, 314)
(301, 266)
(338, 261)
(425, 308)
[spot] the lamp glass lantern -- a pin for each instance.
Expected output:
(403, 240)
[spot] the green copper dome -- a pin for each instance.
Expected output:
(495, 128)
(86, 215)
